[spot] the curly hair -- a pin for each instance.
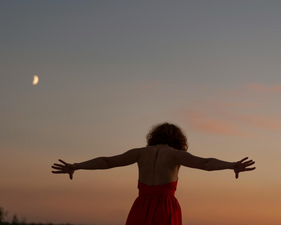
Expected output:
(169, 134)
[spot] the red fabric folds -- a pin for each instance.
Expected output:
(155, 205)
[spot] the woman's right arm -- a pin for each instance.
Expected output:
(124, 159)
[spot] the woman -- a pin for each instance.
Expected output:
(158, 165)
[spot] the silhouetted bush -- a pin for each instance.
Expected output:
(15, 220)
(3, 215)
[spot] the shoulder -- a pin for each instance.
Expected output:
(176, 155)
(136, 151)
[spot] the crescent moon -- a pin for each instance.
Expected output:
(35, 79)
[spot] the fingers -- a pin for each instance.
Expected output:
(242, 166)
(58, 165)
(58, 172)
(249, 163)
(243, 159)
(62, 161)
(250, 169)
(57, 168)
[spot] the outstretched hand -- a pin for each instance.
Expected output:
(64, 168)
(242, 166)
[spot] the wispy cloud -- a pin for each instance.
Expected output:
(262, 88)
(202, 122)
(268, 122)
(226, 119)
(235, 111)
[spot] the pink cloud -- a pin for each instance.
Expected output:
(268, 122)
(234, 117)
(229, 104)
(224, 122)
(261, 88)
(204, 123)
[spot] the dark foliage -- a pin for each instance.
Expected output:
(15, 220)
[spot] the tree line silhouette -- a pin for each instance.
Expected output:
(15, 221)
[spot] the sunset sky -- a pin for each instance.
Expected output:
(108, 71)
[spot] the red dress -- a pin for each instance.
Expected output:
(155, 205)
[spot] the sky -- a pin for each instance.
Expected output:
(110, 70)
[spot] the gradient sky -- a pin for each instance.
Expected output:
(108, 71)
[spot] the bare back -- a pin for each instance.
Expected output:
(157, 165)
